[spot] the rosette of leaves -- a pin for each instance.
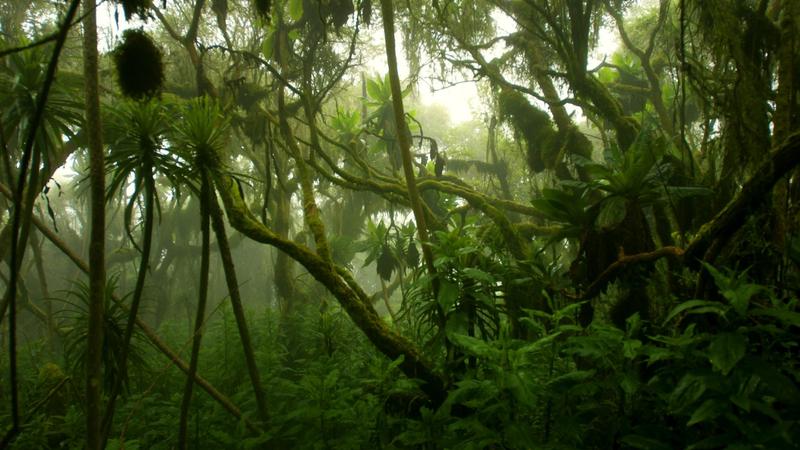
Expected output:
(376, 243)
(76, 322)
(385, 264)
(139, 65)
(412, 254)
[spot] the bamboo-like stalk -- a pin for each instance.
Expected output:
(97, 269)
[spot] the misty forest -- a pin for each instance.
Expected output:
(400, 224)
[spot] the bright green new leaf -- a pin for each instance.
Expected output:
(267, 46)
(296, 9)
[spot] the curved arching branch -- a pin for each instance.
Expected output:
(340, 283)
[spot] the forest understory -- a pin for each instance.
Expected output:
(273, 224)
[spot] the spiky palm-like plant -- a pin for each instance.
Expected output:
(136, 135)
(75, 321)
(201, 138)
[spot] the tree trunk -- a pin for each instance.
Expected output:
(148, 332)
(236, 303)
(340, 283)
(147, 240)
(183, 428)
(97, 271)
(402, 135)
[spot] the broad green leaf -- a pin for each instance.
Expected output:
(296, 9)
(539, 343)
(709, 409)
(630, 348)
(778, 384)
(689, 389)
(478, 275)
(741, 295)
(394, 364)
(267, 46)
(570, 379)
(691, 306)
(734, 289)
(475, 346)
(741, 400)
(787, 317)
(644, 442)
(373, 90)
(726, 350)
(612, 213)
(448, 294)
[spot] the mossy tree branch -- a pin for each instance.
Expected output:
(340, 283)
(387, 10)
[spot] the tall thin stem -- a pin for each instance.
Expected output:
(236, 303)
(147, 240)
(17, 253)
(97, 270)
(201, 312)
(402, 135)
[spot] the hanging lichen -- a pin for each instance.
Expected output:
(140, 70)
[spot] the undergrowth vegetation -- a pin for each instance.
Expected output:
(291, 247)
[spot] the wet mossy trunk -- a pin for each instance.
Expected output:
(600, 249)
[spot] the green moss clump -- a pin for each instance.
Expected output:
(140, 70)
(534, 125)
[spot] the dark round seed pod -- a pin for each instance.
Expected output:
(140, 70)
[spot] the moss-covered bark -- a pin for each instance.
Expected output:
(340, 283)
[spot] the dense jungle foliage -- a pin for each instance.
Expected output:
(245, 224)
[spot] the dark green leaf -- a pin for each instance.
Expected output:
(612, 213)
(448, 294)
(726, 350)
(708, 410)
(689, 389)
(643, 442)
(693, 307)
